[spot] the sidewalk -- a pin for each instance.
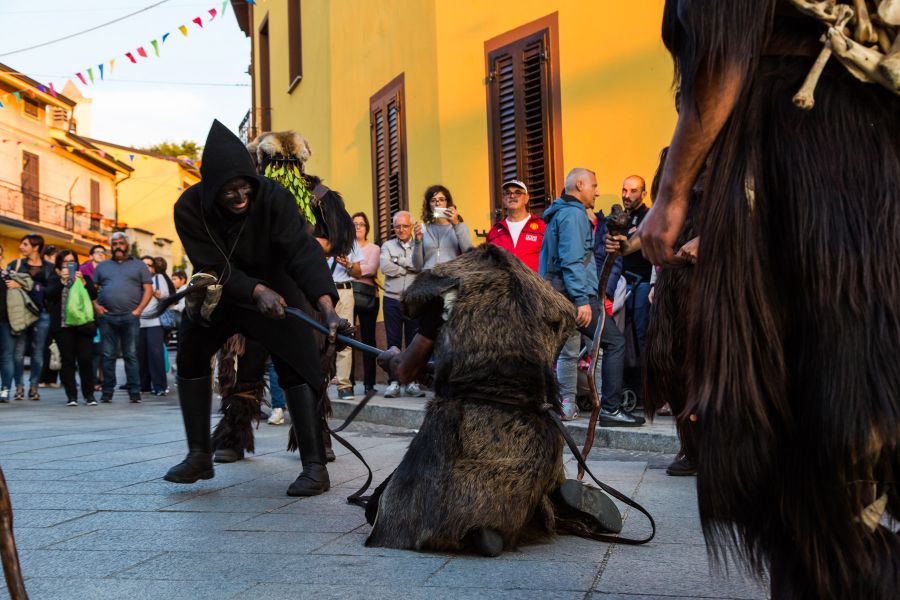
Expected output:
(658, 436)
(95, 520)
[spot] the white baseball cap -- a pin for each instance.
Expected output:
(516, 183)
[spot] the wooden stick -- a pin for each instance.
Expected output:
(11, 569)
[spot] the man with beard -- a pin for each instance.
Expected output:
(794, 317)
(246, 230)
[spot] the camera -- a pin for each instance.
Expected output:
(439, 212)
(71, 268)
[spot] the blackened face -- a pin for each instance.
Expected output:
(235, 195)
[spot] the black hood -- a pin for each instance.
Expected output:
(224, 157)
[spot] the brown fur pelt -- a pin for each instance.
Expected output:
(280, 144)
(476, 463)
(242, 390)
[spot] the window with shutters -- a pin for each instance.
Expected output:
(265, 90)
(32, 108)
(31, 186)
(95, 205)
(388, 125)
(295, 45)
(524, 129)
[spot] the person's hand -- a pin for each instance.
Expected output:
(650, 295)
(384, 360)
(13, 285)
(343, 261)
(453, 215)
(333, 322)
(660, 228)
(417, 231)
(584, 315)
(614, 243)
(269, 302)
(136, 313)
(99, 310)
(689, 250)
(79, 276)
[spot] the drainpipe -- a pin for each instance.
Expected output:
(69, 208)
(116, 196)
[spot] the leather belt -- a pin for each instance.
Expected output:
(344, 286)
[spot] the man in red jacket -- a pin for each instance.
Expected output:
(520, 232)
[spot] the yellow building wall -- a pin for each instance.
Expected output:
(616, 100)
(147, 198)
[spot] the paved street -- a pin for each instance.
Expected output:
(95, 520)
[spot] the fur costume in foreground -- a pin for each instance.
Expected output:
(484, 456)
(794, 320)
(241, 366)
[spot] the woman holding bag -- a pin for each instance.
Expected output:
(68, 299)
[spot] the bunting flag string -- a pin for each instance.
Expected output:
(155, 45)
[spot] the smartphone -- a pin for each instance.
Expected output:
(439, 212)
(71, 279)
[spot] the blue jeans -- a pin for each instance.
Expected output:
(609, 377)
(639, 308)
(7, 352)
(37, 331)
(113, 329)
(274, 389)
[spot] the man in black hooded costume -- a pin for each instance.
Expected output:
(245, 229)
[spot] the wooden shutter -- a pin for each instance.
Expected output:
(95, 205)
(265, 87)
(31, 186)
(295, 45)
(522, 102)
(388, 125)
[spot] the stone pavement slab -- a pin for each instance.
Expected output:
(94, 519)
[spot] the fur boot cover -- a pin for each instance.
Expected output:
(485, 457)
(241, 394)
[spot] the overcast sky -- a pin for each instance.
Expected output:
(154, 100)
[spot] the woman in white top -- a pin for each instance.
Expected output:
(443, 236)
(365, 296)
(151, 357)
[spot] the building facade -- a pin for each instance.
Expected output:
(53, 181)
(400, 94)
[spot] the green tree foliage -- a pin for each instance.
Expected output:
(186, 148)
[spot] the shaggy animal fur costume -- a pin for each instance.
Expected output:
(476, 463)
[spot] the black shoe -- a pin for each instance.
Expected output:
(227, 455)
(619, 418)
(196, 465)
(591, 504)
(135, 398)
(306, 419)
(106, 397)
(124, 386)
(486, 541)
(682, 466)
(329, 455)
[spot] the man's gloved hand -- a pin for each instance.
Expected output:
(269, 302)
(384, 361)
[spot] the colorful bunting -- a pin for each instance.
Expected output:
(18, 96)
(253, 2)
(155, 45)
(212, 14)
(90, 73)
(142, 52)
(198, 21)
(1, 106)
(164, 36)
(131, 157)
(112, 65)
(130, 57)
(52, 91)
(100, 68)
(183, 30)
(224, 7)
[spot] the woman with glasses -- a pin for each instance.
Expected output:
(75, 341)
(365, 296)
(443, 236)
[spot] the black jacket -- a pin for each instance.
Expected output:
(268, 244)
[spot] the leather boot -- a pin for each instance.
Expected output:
(195, 397)
(307, 423)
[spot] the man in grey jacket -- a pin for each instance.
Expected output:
(399, 273)
(567, 263)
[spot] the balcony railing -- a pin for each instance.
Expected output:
(50, 212)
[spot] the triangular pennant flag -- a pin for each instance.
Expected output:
(224, 7)
(52, 146)
(30, 93)
(101, 153)
(52, 91)
(91, 74)
(100, 68)
(130, 57)
(198, 21)
(70, 149)
(212, 14)
(18, 96)
(183, 30)
(131, 157)
(164, 36)
(81, 77)
(142, 52)
(42, 89)
(1, 106)
(253, 2)
(155, 47)
(112, 65)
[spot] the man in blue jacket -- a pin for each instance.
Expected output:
(567, 263)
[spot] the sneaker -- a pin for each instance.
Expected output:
(20, 392)
(106, 398)
(414, 391)
(277, 417)
(569, 410)
(346, 394)
(4, 395)
(161, 393)
(393, 390)
(72, 402)
(42, 385)
(91, 401)
(54, 385)
(33, 394)
(135, 398)
(619, 418)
